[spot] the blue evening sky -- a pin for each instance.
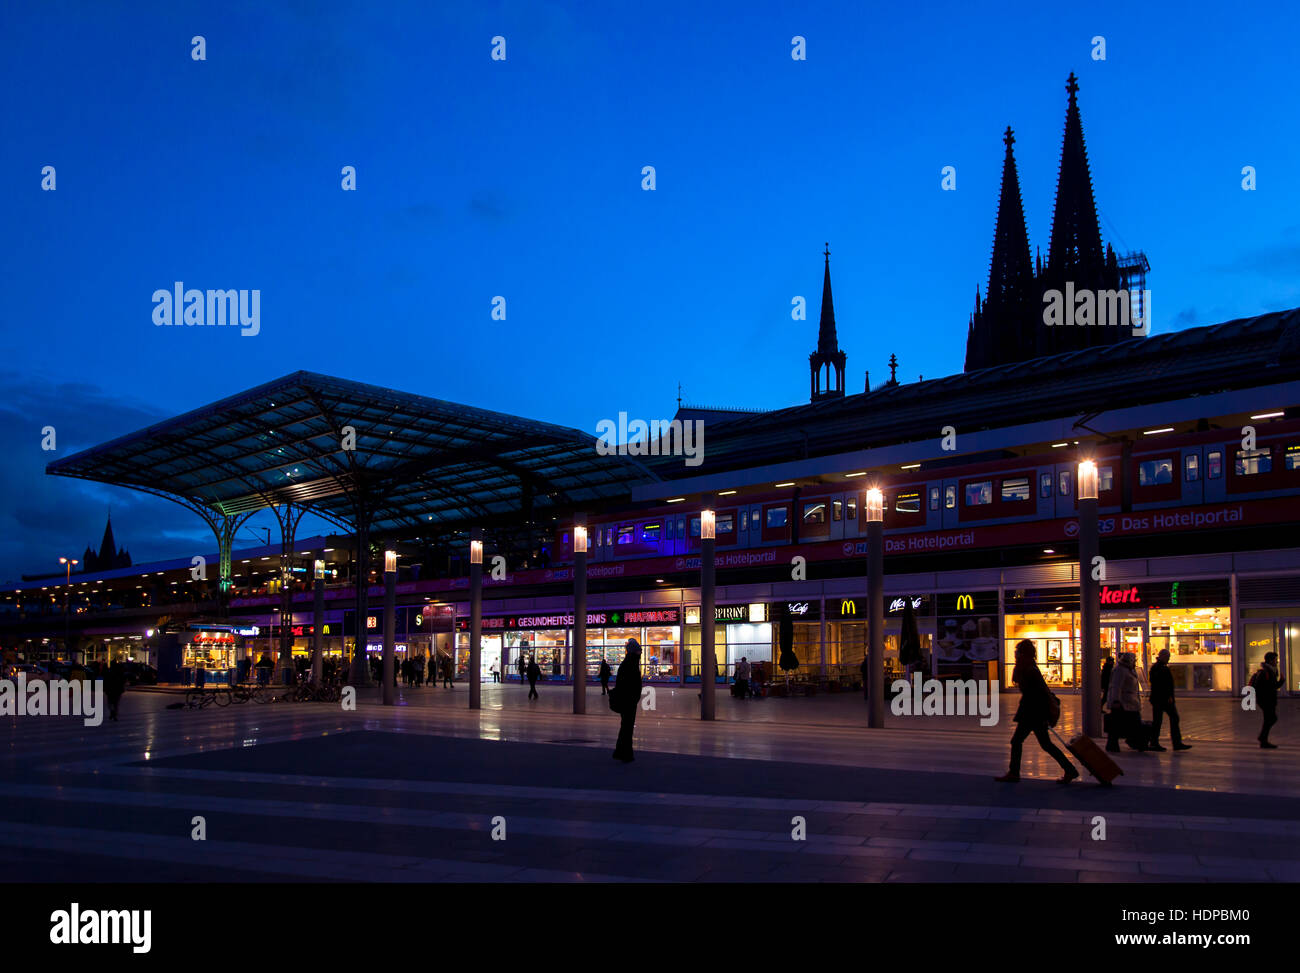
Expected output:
(522, 178)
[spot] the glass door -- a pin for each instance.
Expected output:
(1291, 656)
(1120, 636)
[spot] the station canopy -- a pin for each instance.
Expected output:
(417, 465)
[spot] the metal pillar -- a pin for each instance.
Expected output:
(708, 652)
(475, 624)
(579, 648)
(1089, 619)
(318, 628)
(390, 632)
(875, 625)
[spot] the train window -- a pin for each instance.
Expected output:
(757, 519)
(1153, 472)
(725, 524)
(837, 510)
(1045, 485)
(625, 534)
(934, 498)
(681, 527)
(813, 513)
(695, 527)
(650, 533)
(949, 497)
(1252, 461)
(744, 521)
(609, 537)
(1016, 488)
(1065, 483)
(1213, 465)
(851, 509)
(1292, 458)
(979, 493)
(776, 516)
(908, 503)
(1105, 478)
(1192, 467)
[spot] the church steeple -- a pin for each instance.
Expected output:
(827, 361)
(997, 326)
(1075, 247)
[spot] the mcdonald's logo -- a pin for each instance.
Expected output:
(965, 603)
(848, 607)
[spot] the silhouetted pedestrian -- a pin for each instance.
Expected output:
(114, 687)
(1125, 702)
(1034, 714)
(1107, 668)
(448, 673)
(1162, 702)
(1267, 680)
(534, 673)
(742, 677)
(626, 699)
(605, 673)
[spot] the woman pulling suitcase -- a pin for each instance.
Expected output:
(1034, 714)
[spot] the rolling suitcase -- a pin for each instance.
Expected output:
(1094, 759)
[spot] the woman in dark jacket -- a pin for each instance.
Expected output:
(626, 699)
(1033, 715)
(1267, 680)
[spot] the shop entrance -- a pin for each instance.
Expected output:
(1126, 635)
(1281, 635)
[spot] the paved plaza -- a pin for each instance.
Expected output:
(307, 791)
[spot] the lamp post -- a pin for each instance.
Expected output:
(390, 625)
(67, 606)
(578, 654)
(708, 652)
(875, 514)
(318, 623)
(1089, 599)
(475, 617)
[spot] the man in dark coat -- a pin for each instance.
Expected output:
(534, 673)
(605, 673)
(1162, 702)
(1267, 680)
(1107, 668)
(114, 687)
(626, 699)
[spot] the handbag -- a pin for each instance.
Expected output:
(1053, 709)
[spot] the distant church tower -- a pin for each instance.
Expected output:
(109, 556)
(828, 355)
(1007, 325)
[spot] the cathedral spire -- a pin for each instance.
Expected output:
(827, 361)
(1075, 247)
(1010, 271)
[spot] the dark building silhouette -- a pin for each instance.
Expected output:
(110, 555)
(1007, 325)
(827, 362)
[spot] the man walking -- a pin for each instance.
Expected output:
(1162, 702)
(1267, 680)
(534, 673)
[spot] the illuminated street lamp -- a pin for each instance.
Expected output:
(67, 592)
(1091, 571)
(578, 651)
(475, 617)
(390, 628)
(708, 650)
(874, 510)
(579, 539)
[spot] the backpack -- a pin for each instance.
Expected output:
(613, 700)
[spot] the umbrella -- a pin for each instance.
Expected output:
(788, 660)
(909, 643)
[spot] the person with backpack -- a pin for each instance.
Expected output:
(1162, 702)
(1267, 681)
(625, 699)
(1037, 712)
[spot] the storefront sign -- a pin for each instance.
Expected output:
(1148, 594)
(968, 603)
(800, 611)
(920, 604)
(632, 617)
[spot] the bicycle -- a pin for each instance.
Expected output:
(201, 698)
